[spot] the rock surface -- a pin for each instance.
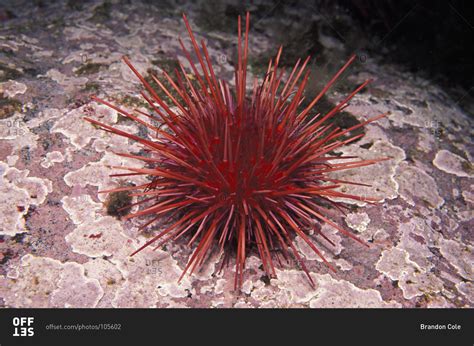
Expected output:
(60, 248)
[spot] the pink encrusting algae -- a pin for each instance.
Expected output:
(235, 171)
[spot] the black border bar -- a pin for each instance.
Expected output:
(237, 326)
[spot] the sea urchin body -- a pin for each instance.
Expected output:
(236, 170)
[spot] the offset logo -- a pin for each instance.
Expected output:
(23, 326)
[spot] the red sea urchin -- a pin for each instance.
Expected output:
(236, 170)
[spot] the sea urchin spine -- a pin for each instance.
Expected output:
(235, 170)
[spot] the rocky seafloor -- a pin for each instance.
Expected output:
(60, 247)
